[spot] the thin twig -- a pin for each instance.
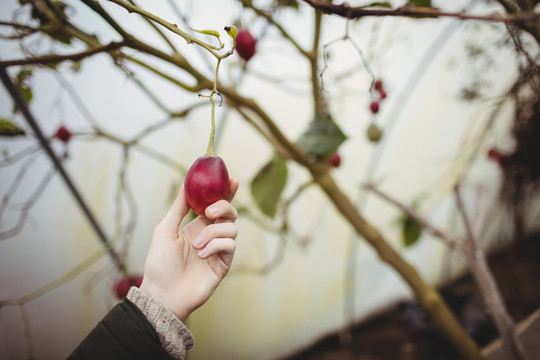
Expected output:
(450, 241)
(270, 19)
(55, 59)
(173, 28)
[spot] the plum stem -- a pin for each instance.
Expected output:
(210, 151)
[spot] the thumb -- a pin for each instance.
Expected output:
(177, 212)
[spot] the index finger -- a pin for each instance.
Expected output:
(222, 210)
(233, 184)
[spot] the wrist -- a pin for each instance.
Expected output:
(178, 309)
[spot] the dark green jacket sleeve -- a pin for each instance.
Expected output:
(124, 333)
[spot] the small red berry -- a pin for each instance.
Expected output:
(121, 288)
(245, 44)
(63, 134)
(122, 285)
(382, 93)
(378, 85)
(497, 156)
(493, 154)
(136, 280)
(374, 107)
(334, 159)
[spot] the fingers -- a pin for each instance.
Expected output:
(223, 246)
(218, 238)
(213, 232)
(176, 213)
(221, 210)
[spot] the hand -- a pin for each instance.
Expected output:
(183, 268)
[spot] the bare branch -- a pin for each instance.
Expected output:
(172, 27)
(450, 241)
(270, 19)
(410, 10)
(488, 288)
(21, 30)
(55, 59)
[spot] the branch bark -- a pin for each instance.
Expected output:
(487, 286)
(55, 59)
(409, 10)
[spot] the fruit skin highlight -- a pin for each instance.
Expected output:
(207, 181)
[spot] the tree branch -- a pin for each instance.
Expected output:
(409, 10)
(54, 58)
(172, 27)
(488, 288)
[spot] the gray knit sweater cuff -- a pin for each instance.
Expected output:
(174, 336)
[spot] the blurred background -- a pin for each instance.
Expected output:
(448, 118)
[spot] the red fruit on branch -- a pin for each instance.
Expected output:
(378, 85)
(121, 288)
(374, 107)
(245, 44)
(63, 134)
(334, 159)
(497, 156)
(136, 280)
(122, 285)
(207, 181)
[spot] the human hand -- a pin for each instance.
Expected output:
(183, 268)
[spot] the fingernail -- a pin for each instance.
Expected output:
(198, 241)
(212, 210)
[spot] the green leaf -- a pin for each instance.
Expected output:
(232, 31)
(420, 3)
(23, 83)
(213, 33)
(62, 36)
(76, 66)
(322, 137)
(267, 185)
(9, 129)
(411, 231)
(207, 32)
